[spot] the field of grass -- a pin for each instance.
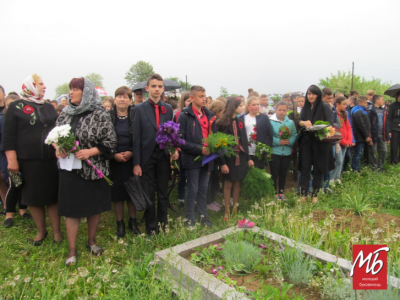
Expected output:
(125, 270)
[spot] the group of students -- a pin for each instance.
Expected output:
(122, 141)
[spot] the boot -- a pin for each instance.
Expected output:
(120, 229)
(133, 226)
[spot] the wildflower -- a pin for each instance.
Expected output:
(11, 283)
(90, 279)
(120, 241)
(354, 239)
(108, 260)
(71, 281)
(105, 278)
(16, 278)
(332, 216)
(98, 285)
(113, 286)
(114, 271)
(64, 292)
(27, 279)
(84, 272)
(388, 240)
(142, 234)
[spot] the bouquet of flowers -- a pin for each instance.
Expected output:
(284, 132)
(324, 132)
(253, 135)
(219, 144)
(65, 139)
(263, 152)
(168, 137)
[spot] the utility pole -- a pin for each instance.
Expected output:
(352, 75)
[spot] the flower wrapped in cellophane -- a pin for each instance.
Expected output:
(65, 139)
(219, 144)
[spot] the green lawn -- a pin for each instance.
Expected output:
(125, 272)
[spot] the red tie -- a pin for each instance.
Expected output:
(157, 115)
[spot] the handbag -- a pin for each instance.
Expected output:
(137, 194)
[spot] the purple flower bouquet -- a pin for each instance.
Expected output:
(168, 137)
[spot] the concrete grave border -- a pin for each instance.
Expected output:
(189, 280)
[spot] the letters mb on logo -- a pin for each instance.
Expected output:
(369, 270)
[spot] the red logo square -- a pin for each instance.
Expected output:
(369, 270)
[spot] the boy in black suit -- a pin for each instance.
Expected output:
(149, 160)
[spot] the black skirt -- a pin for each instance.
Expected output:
(39, 181)
(80, 198)
(236, 173)
(120, 173)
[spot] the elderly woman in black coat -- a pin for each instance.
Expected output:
(26, 125)
(312, 152)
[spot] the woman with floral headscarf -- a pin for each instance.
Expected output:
(82, 194)
(26, 125)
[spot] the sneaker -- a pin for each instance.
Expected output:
(245, 223)
(8, 223)
(213, 207)
(283, 198)
(217, 204)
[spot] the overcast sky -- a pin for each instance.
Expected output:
(270, 46)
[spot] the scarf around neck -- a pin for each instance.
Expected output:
(30, 92)
(90, 100)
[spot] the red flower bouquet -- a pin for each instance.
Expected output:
(284, 132)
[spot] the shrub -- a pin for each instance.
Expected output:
(257, 184)
(241, 256)
(297, 267)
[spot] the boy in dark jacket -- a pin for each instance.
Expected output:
(361, 130)
(196, 123)
(379, 133)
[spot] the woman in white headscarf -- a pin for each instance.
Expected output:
(26, 125)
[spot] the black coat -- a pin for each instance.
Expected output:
(26, 126)
(265, 134)
(374, 122)
(145, 130)
(324, 161)
(361, 125)
(191, 132)
(394, 117)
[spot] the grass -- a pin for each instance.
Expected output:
(125, 272)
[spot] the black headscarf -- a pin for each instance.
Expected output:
(316, 113)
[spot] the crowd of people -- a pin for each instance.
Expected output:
(118, 135)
